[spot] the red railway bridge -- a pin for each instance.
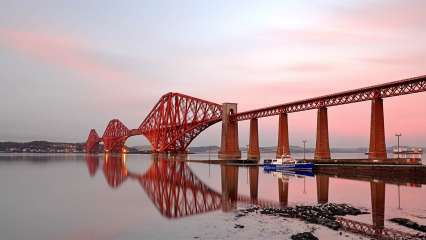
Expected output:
(177, 119)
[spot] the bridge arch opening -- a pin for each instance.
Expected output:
(138, 142)
(209, 139)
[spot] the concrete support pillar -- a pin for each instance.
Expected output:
(283, 146)
(322, 148)
(229, 181)
(377, 148)
(322, 188)
(253, 151)
(378, 193)
(229, 147)
(254, 182)
(283, 191)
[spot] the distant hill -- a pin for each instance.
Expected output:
(61, 147)
(203, 149)
(41, 147)
(272, 149)
(293, 149)
(142, 148)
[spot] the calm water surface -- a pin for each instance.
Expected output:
(142, 197)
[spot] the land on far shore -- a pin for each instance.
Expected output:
(61, 147)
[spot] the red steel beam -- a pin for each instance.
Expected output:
(376, 232)
(176, 120)
(391, 89)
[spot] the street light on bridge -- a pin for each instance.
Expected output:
(304, 149)
(397, 135)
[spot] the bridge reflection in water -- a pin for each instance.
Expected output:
(177, 192)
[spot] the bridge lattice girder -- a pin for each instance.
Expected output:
(92, 142)
(376, 232)
(391, 89)
(115, 135)
(176, 120)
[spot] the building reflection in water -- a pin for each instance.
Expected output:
(92, 162)
(169, 183)
(176, 191)
(378, 203)
(115, 169)
(322, 188)
(173, 188)
(377, 198)
(229, 182)
(254, 183)
(283, 191)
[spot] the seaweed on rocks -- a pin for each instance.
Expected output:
(409, 224)
(304, 236)
(323, 214)
(238, 226)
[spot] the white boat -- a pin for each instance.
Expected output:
(407, 153)
(286, 162)
(406, 150)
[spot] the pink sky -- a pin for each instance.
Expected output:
(116, 65)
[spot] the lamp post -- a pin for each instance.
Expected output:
(397, 136)
(304, 149)
(247, 148)
(209, 149)
(399, 198)
(304, 185)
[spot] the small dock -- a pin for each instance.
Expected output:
(365, 161)
(323, 162)
(240, 162)
(393, 172)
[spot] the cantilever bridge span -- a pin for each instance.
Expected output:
(177, 119)
(171, 125)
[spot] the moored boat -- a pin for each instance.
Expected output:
(287, 163)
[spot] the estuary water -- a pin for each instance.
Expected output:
(77, 196)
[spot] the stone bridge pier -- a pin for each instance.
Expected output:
(229, 147)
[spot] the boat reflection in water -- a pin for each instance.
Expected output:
(177, 192)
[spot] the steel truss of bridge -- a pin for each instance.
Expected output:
(177, 119)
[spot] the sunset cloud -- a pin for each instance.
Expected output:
(384, 16)
(321, 36)
(61, 51)
(309, 67)
(399, 59)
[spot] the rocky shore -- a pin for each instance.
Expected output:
(323, 214)
(304, 236)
